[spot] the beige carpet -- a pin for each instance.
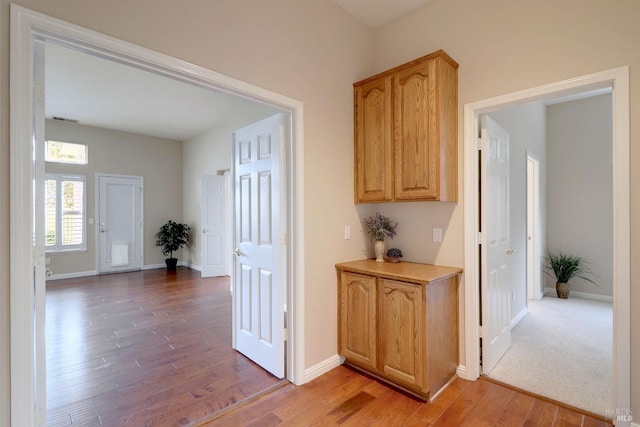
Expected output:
(563, 349)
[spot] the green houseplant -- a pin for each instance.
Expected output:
(564, 267)
(171, 237)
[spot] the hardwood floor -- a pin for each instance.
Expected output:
(347, 398)
(148, 348)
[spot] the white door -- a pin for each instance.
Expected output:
(534, 291)
(214, 226)
(258, 319)
(119, 223)
(495, 250)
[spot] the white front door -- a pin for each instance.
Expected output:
(495, 250)
(214, 226)
(119, 223)
(258, 285)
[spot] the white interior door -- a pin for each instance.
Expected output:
(495, 250)
(119, 223)
(534, 285)
(258, 319)
(214, 226)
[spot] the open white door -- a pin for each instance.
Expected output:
(534, 286)
(119, 223)
(258, 285)
(214, 226)
(495, 250)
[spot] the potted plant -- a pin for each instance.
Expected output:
(379, 227)
(564, 267)
(171, 237)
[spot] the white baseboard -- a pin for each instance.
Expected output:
(71, 275)
(322, 368)
(190, 265)
(153, 266)
(518, 317)
(461, 371)
(634, 424)
(585, 295)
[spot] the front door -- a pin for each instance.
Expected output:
(119, 223)
(258, 284)
(214, 226)
(495, 250)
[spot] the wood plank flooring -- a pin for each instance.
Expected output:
(347, 398)
(148, 348)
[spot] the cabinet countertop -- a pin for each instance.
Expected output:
(407, 271)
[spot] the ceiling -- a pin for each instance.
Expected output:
(376, 13)
(102, 93)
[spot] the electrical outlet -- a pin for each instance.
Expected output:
(347, 232)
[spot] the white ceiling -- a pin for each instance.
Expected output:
(103, 93)
(376, 13)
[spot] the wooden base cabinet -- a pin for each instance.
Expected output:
(399, 322)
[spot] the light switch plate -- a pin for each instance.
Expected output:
(437, 235)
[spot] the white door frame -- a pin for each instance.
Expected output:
(618, 79)
(28, 26)
(140, 236)
(534, 285)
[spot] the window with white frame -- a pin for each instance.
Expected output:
(65, 207)
(66, 152)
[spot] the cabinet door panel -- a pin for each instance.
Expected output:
(402, 332)
(374, 142)
(358, 313)
(416, 143)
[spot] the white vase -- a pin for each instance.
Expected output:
(378, 246)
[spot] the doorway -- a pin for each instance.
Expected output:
(30, 28)
(534, 291)
(617, 80)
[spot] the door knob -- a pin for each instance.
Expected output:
(204, 231)
(237, 252)
(509, 251)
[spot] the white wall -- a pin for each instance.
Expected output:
(158, 160)
(527, 132)
(205, 154)
(579, 173)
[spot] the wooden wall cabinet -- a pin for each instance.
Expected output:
(406, 132)
(399, 322)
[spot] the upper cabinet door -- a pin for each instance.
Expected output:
(373, 142)
(416, 144)
(406, 130)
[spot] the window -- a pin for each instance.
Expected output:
(65, 202)
(65, 152)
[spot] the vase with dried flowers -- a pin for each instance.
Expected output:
(379, 227)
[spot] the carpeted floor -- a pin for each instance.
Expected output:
(563, 349)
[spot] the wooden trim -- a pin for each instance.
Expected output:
(546, 399)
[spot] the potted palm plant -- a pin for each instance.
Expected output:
(564, 267)
(171, 237)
